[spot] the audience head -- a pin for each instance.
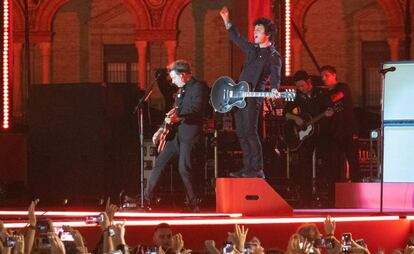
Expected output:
(162, 236)
(309, 231)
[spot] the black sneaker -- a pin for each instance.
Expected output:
(253, 174)
(238, 173)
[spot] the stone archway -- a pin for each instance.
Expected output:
(300, 9)
(173, 11)
(395, 16)
(45, 13)
(392, 9)
(18, 16)
(140, 12)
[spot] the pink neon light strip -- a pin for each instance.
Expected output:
(121, 214)
(221, 221)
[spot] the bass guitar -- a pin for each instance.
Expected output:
(295, 135)
(225, 94)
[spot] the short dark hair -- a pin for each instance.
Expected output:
(269, 26)
(329, 68)
(301, 75)
(162, 226)
(181, 66)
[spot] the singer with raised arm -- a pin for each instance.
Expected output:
(181, 134)
(263, 63)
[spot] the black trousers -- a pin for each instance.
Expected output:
(246, 120)
(188, 162)
(303, 175)
(337, 150)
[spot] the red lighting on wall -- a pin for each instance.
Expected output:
(7, 60)
(288, 56)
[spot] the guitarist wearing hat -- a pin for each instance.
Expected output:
(263, 63)
(307, 103)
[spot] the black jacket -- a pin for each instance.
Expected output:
(261, 63)
(191, 103)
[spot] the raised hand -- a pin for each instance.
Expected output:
(298, 245)
(358, 249)
(56, 245)
(224, 13)
(177, 243)
(119, 237)
(31, 213)
(211, 247)
(238, 237)
(19, 247)
(329, 226)
(110, 209)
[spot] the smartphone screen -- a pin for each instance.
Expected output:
(227, 247)
(66, 237)
(346, 242)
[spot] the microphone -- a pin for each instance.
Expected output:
(383, 71)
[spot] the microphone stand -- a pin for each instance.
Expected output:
(383, 72)
(140, 117)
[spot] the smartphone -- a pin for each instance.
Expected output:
(319, 243)
(346, 242)
(43, 242)
(227, 247)
(43, 226)
(247, 248)
(151, 250)
(94, 219)
(361, 242)
(10, 242)
(66, 236)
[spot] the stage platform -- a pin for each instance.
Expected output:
(386, 231)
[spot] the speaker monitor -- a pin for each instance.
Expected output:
(249, 196)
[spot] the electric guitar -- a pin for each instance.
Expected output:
(225, 94)
(295, 135)
(167, 131)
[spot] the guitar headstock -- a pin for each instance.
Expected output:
(338, 106)
(289, 94)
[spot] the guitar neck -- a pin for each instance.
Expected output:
(260, 94)
(317, 118)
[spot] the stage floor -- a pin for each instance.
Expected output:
(388, 230)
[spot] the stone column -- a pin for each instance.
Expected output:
(17, 80)
(142, 63)
(393, 44)
(45, 55)
(171, 50)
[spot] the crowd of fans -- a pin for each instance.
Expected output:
(40, 236)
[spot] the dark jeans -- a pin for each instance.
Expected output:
(246, 128)
(188, 161)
